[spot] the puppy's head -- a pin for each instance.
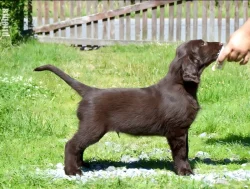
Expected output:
(195, 56)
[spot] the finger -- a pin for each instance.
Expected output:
(224, 54)
(240, 57)
(233, 56)
(246, 59)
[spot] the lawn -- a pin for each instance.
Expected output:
(37, 113)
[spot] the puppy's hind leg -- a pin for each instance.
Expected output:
(71, 154)
(86, 135)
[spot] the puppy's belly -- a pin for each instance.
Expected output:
(150, 125)
(137, 126)
(141, 131)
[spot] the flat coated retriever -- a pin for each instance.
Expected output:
(167, 108)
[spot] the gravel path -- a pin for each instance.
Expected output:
(90, 175)
(223, 177)
(98, 172)
(128, 168)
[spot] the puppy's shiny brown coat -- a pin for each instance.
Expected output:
(167, 108)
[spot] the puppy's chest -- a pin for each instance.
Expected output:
(192, 110)
(183, 113)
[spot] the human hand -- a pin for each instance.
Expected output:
(238, 47)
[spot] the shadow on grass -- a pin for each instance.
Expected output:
(209, 161)
(153, 164)
(245, 141)
(144, 164)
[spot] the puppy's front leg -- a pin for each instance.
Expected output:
(178, 141)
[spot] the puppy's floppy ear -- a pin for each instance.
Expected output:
(190, 69)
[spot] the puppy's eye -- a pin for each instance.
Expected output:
(204, 43)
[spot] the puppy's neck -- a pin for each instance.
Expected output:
(174, 81)
(191, 88)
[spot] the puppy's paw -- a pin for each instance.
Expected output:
(72, 171)
(185, 171)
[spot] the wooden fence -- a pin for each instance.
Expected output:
(107, 22)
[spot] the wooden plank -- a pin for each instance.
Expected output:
(245, 10)
(236, 14)
(112, 21)
(137, 23)
(162, 22)
(171, 22)
(95, 23)
(62, 18)
(77, 41)
(46, 12)
(144, 24)
(55, 16)
(178, 22)
(187, 20)
(46, 15)
(88, 24)
(103, 15)
(227, 20)
(220, 19)
(79, 13)
(211, 21)
(154, 23)
(195, 19)
(128, 22)
(39, 13)
(204, 20)
(105, 21)
(121, 22)
(72, 28)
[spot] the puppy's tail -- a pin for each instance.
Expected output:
(79, 87)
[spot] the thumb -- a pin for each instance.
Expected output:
(224, 54)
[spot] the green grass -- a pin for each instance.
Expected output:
(37, 113)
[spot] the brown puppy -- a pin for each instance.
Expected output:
(167, 108)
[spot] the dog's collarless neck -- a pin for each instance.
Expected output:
(191, 88)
